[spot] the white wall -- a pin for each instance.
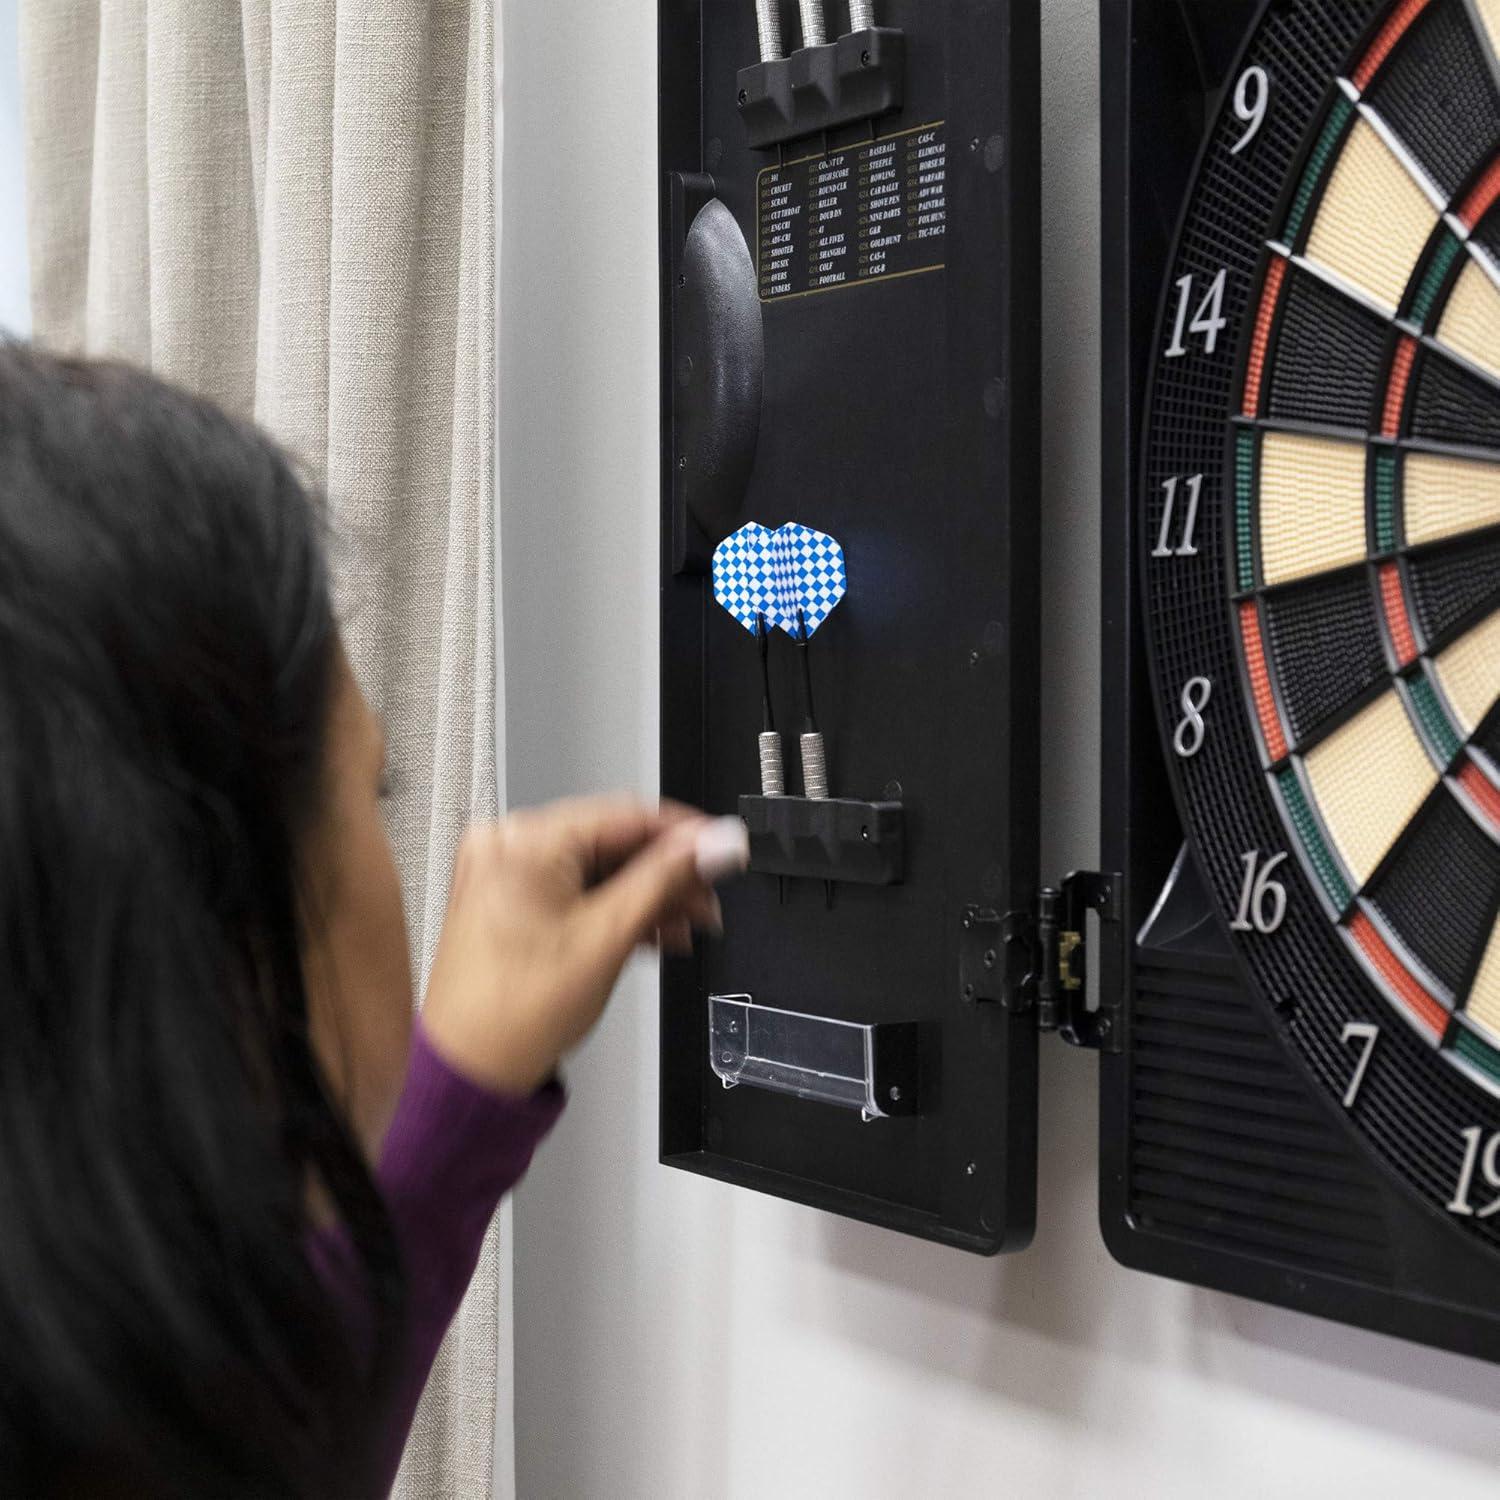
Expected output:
(15, 311)
(683, 1340)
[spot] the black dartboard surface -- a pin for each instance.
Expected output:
(1320, 528)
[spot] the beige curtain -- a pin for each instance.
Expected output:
(289, 205)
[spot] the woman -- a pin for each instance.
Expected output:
(240, 1196)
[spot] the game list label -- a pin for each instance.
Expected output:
(864, 213)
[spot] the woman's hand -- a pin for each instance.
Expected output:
(546, 907)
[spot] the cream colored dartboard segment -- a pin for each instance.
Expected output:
(1368, 779)
(1471, 320)
(1469, 671)
(1489, 14)
(1312, 505)
(1444, 497)
(1483, 1004)
(1374, 221)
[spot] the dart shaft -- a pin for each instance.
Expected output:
(768, 714)
(809, 713)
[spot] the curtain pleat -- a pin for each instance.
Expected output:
(289, 206)
(119, 222)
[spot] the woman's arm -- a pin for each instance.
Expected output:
(453, 1151)
(545, 909)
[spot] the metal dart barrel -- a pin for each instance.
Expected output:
(768, 23)
(814, 31)
(814, 767)
(772, 772)
(861, 15)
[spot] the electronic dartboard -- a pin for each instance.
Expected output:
(1316, 537)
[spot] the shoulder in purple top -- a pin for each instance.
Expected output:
(453, 1151)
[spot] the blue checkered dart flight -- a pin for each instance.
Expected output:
(745, 584)
(811, 579)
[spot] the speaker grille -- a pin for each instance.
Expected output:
(1228, 1148)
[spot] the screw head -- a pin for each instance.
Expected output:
(1104, 1027)
(743, 98)
(864, 59)
(989, 959)
(895, 1094)
(682, 462)
(970, 1169)
(968, 992)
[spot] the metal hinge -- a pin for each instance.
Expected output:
(1063, 955)
(1023, 961)
(997, 957)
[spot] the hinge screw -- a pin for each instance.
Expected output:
(989, 959)
(968, 992)
(970, 1169)
(968, 921)
(895, 1094)
(1104, 1026)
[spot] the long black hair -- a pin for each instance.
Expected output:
(167, 657)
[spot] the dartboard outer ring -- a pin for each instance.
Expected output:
(1421, 1117)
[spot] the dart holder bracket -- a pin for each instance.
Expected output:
(831, 839)
(859, 77)
(855, 1065)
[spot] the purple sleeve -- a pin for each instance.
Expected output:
(454, 1149)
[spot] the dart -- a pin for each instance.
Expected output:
(811, 579)
(746, 586)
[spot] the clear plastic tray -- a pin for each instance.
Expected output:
(868, 1067)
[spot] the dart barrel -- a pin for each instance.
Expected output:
(768, 24)
(772, 773)
(814, 768)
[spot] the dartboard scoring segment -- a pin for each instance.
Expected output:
(1360, 501)
(1312, 519)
